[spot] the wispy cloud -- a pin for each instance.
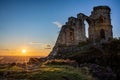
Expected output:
(59, 25)
(35, 43)
(42, 45)
(4, 49)
(47, 46)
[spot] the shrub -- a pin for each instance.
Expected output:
(83, 43)
(60, 62)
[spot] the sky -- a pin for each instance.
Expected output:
(34, 24)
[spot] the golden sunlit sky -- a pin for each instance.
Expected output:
(33, 25)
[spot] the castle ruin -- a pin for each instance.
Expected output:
(99, 28)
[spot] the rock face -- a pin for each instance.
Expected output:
(73, 32)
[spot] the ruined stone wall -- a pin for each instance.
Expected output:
(73, 32)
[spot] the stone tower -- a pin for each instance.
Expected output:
(102, 29)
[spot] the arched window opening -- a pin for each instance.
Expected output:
(102, 34)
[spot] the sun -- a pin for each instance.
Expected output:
(24, 51)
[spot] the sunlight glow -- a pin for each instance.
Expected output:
(24, 51)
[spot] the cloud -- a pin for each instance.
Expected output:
(4, 49)
(42, 45)
(47, 46)
(35, 43)
(58, 24)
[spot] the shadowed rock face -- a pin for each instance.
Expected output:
(73, 32)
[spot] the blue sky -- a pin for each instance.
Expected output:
(26, 21)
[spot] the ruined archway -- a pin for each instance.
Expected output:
(87, 21)
(97, 27)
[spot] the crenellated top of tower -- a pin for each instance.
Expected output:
(101, 8)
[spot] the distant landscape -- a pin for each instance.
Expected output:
(15, 59)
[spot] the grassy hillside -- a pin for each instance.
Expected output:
(46, 72)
